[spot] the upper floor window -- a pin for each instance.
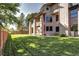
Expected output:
(57, 29)
(57, 17)
(74, 13)
(48, 19)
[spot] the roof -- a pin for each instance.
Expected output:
(40, 13)
(49, 4)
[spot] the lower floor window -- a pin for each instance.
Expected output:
(49, 28)
(57, 29)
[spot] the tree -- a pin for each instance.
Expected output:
(74, 28)
(7, 13)
(21, 23)
(30, 18)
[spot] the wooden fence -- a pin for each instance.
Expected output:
(3, 38)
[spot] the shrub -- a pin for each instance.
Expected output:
(8, 46)
(62, 35)
(56, 34)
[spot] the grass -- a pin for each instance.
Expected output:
(19, 35)
(24, 45)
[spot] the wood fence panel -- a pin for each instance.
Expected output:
(3, 38)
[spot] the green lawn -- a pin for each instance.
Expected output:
(24, 45)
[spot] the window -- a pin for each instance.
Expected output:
(32, 30)
(49, 28)
(57, 17)
(57, 29)
(48, 19)
(47, 8)
(73, 13)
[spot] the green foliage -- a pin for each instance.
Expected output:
(9, 48)
(30, 17)
(74, 27)
(20, 24)
(56, 34)
(7, 13)
(62, 35)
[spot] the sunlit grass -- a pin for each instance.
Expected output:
(19, 35)
(32, 45)
(23, 44)
(20, 50)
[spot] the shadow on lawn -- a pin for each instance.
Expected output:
(43, 46)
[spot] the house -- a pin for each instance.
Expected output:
(56, 18)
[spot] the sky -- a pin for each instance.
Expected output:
(29, 8)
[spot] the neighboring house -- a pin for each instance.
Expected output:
(56, 18)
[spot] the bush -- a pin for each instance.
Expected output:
(62, 35)
(8, 46)
(56, 34)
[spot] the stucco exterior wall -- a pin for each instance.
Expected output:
(64, 18)
(54, 23)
